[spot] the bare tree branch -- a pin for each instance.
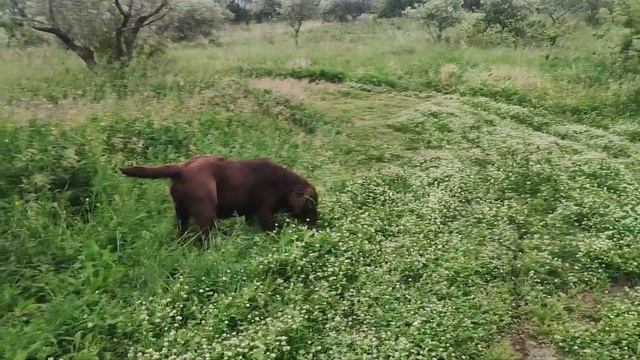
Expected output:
(85, 53)
(156, 11)
(563, 14)
(143, 24)
(121, 10)
(135, 16)
(52, 27)
(142, 20)
(50, 30)
(125, 15)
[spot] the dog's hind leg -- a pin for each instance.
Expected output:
(205, 212)
(182, 217)
(205, 218)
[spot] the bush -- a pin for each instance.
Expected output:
(394, 8)
(630, 15)
(319, 74)
(240, 13)
(507, 15)
(492, 36)
(345, 10)
(191, 19)
(629, 12)
(438, 15)
(266, 10)
(592, 9)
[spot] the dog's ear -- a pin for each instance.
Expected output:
(302, 199)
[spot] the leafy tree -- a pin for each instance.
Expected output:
(592, 8)
(5, 20)
(471, 5)
(267, 10)
(629, 13)
(296, 12)
(190, 19)
(345, 10)
(394, 8)
(556, 10)
(240, 13)
(438, 15)
(508, 15)
(90, 27)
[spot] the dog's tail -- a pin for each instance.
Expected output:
(153, 172)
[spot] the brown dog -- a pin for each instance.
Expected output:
(210, 187)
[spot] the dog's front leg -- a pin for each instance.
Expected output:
(267, 219)
(250, 219)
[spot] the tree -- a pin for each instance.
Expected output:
(471, 5)
(345, 10)
(394, 8)
(556, 11)
(266, 10)
(296, 12)
(508, 15)
(240, 13)
(90, 27)
(5, 19)
(629, 14)
(190, 19)
(135, 18)
(592, 9)
(439, 15)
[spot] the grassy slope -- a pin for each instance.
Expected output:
(455, 222)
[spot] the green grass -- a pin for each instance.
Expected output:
(461, 206)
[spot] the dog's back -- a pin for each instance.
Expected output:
(246, 185)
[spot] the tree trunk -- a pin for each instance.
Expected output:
(295, 35)
(118, 52)
(84, 52)
(126, 35)
(88, 56)
(439, 34)
(130, 44)
(125, 44)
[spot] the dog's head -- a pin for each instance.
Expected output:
(304, 205)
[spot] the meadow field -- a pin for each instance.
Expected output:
(477, 202)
